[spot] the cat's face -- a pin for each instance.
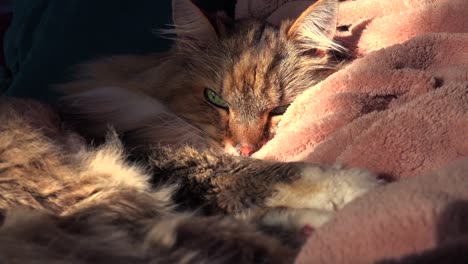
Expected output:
(242, 79)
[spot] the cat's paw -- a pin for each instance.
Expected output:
(296, 219)
(323, 188)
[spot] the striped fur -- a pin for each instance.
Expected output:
(63, 201)
(185, 201)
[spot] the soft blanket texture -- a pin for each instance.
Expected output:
(401, 109)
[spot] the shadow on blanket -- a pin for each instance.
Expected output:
(452, 236)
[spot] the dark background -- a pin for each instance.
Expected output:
(45, 38)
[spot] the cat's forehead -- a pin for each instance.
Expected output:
(257, 65)
(257, 59)
(257, 43)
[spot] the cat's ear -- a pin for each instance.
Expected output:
(316, 27)
(194, 30)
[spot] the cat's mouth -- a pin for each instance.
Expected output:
(244, 139)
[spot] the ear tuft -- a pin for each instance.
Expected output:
(193, 29)
(316, 26)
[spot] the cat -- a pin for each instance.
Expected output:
(230, 82)
(64, 201)
(194, 115)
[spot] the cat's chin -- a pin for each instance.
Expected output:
(230, 150)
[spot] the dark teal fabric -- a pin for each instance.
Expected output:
(47, 37)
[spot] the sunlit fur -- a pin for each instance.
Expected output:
(255, 67)
(62, 201)
(65, 201)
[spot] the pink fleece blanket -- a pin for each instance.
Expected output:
(400, 109)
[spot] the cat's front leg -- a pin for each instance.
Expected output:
(312, 199)
(237, 185)
(326, 188)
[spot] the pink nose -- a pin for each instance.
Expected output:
(247, 150)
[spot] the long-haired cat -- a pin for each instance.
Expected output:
(221, 89)
(230, 81)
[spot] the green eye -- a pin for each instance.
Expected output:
(215, 99)
(279, 110)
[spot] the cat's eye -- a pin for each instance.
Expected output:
(279, 110)
(215, 99)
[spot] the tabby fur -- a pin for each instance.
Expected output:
(175, 193)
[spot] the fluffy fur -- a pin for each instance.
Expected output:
(66, 202)
(91, 206)
(87, 204)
